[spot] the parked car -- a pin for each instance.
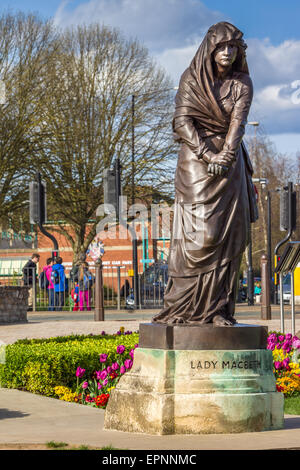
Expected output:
(153, 282)
(286, 289)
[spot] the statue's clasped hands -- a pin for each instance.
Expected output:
(218, 164)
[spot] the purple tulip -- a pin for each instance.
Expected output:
(102, 357)
(131, 354)
(85, 385)
(98, 374)
(115, 366)
(278, 365)
(128, 363)
(286, 345)
(122, 370)
(285, 362)
(105, 382)
(103, 375)
(99, 386)
(109, 369)
(120, 349)
(80, 372)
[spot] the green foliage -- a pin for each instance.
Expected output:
(292, 405)
(40, 365)
(56, 445)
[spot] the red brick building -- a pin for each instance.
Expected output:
(16, 249)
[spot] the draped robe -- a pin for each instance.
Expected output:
(212, 213)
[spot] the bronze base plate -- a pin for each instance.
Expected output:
(202, 337)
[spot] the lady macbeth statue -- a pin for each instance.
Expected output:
(215, 199)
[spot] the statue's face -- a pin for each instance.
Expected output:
(225, 54)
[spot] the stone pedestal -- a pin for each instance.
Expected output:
(185, 383)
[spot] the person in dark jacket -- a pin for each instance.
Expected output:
(29, 276)
(59, 281)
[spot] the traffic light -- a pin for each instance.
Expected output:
(112, 187)
(109, 188)
(54, 254)
(37, 202)
(288, 201)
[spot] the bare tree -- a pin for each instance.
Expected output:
(26, 45)
(278, 169)
(87, 123)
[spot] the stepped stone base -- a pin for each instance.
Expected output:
(197, 391)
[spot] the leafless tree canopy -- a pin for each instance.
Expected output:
(68, 114)
(26, 47)
(278, 169)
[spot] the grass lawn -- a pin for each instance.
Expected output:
(292, 405)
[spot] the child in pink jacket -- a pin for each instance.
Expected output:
(50, 287)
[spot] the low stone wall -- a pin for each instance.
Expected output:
(13, 304)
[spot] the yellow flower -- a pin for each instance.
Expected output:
(64, 393)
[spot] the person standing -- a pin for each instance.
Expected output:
(29, 276)
(49, 284)
(85, 281)
(59, 281)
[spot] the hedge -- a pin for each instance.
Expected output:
(40, 365)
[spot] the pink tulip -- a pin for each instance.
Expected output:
(80, 372)
(103, 357)
(128, 364)
(103, 375)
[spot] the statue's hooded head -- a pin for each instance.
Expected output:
(218, 34)
(195, 97)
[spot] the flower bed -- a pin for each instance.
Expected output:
(95, 390)
(286, 366)
(85, 369)
(48, 366)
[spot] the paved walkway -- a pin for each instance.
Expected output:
(26, 418)
(32, 419)
(47, 324)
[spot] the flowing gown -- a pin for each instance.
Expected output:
(212, 214)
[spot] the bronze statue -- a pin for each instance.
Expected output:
(215, 198)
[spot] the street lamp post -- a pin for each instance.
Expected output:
(250, 277)
(134, 239)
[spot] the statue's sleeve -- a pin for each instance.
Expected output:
(239, 115)
(185, 131)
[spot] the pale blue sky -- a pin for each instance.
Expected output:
(173, 30)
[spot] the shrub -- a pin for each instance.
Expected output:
(41, 365)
